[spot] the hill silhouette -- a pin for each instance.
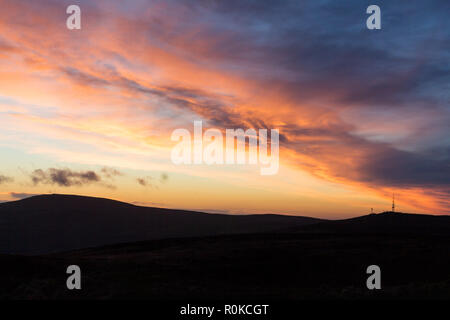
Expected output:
(127, 252)
(383, 223)
(56, 223)
(53, 223)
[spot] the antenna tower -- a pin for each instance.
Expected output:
(393, 203)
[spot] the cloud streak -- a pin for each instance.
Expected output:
(152, 182)
(5, 179)
(21, 195)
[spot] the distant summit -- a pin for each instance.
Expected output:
(388, 222)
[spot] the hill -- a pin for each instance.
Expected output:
(54, 223)
(383, 223)
(127, 252)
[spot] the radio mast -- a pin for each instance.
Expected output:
(393, 203)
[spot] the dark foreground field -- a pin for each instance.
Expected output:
(251, 267)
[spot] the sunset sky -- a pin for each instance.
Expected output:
(361, 113)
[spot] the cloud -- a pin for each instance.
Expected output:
(147, 182)
(164, 177)
(5, 179)
(84, 78)
(64, 177)
(110, 172)
(142, 181)
(407, 169)
(69, 178)
(19, 195)
(152, 182)
(148, 204)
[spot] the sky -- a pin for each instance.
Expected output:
(361, 113)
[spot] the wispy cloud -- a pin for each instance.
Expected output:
(5, 179)
(21, 195)
(111, 172)
(150, 181)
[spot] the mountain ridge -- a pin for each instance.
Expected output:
(56, 223)
(53, 223)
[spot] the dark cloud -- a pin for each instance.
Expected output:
(145, 182)
(142, 181)
(210, 106)
(307, 48)
(164, 177)
(84, 78)
(406, 169)
(69, 178)
(64, 177)
(5, 179)
(376, 164)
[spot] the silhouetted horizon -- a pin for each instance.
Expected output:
(55, 223)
